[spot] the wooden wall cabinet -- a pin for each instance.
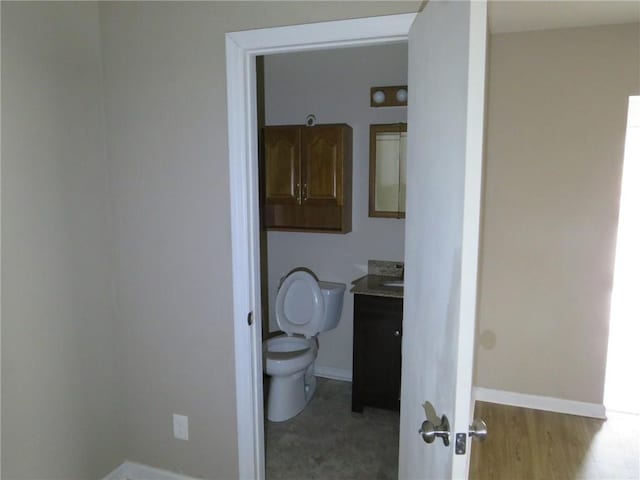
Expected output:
(307, 178)
(377, 352)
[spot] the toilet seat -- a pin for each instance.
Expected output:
(285, 354)
(300, 305)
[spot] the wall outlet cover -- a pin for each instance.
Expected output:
(181, 427)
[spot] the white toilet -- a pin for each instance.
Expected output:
(304, 307)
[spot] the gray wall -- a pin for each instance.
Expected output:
(159, 233)
(59, 396)
(557, 111)
(165, 95)
(164, 90)
(334, 85)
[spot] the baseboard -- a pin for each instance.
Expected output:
(341, 374)
(136, 471)
(539, 402)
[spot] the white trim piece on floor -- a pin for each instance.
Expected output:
(136, 471)
(539, 402)
(333, 373)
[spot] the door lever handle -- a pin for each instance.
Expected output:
(430, 432)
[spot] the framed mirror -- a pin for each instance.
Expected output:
(387, 170)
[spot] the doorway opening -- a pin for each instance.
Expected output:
(454, 78)
(334, 86)
(242, 49)
(622, 390)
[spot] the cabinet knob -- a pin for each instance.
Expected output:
(396, 333)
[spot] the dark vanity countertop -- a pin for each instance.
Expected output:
(373, 285)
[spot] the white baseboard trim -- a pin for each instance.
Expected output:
(539, 402)
(136, 471)
(341, 374)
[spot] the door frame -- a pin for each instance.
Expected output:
(241, 51)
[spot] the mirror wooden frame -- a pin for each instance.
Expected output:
(374, 130)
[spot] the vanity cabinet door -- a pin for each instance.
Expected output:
(377, 352)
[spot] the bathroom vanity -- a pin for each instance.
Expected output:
(377, 342)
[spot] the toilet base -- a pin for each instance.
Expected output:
(288, 395)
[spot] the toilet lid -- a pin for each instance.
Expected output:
(299, 305)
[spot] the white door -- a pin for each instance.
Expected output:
(447, 45)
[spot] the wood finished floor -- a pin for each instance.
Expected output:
(525, 444)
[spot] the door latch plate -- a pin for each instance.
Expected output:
(461, 443)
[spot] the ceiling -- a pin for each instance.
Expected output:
(518, 16)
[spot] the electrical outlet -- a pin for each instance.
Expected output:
(181, 427)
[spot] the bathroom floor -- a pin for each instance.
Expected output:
(326, 441)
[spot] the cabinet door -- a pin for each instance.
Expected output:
(282, 165)
(377, 352)
(323, 153)
(307, 178)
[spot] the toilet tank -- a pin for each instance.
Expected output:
(333, 295)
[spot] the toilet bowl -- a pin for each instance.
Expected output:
(304, 308)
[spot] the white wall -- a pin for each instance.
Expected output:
(59, 395)
(557, 110)
(334, 86)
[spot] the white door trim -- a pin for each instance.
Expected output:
(241, 49)
(478, 35)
